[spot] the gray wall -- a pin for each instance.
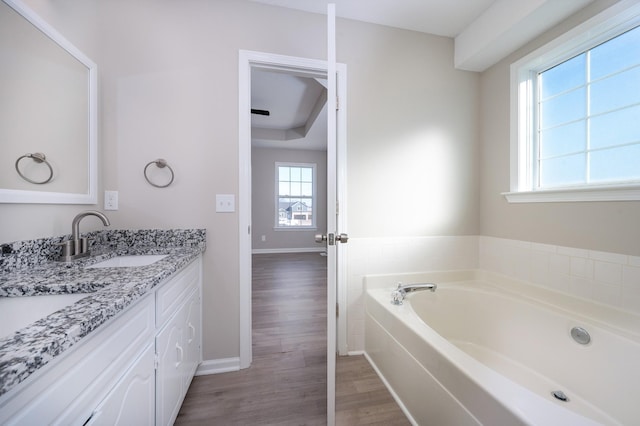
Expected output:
(263, 162)
(604, 226)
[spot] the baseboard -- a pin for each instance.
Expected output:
(217, 366)
(289, 250)
(355, 353)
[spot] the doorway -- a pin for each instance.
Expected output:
(309, 68)
(249, 60)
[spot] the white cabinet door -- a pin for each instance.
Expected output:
(169, 375)
(132, 400)
(192, 337)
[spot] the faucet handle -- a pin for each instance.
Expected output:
(397, 295)
(67, 248)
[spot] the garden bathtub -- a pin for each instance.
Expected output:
(475, 352)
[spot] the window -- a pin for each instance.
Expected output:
(295, 196)
(576, 123)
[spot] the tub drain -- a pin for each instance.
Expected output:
(580, 335)
(560, 395)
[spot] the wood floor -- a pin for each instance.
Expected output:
(286, 383)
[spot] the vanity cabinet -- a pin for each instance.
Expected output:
(177, 343)
(135, 369)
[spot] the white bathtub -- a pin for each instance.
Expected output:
(480, 353)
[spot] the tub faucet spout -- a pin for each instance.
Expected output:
(400, 293)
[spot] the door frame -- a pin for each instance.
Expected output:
(307, 68)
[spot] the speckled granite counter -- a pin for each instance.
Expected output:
(109, 291)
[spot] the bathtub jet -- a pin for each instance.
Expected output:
(400, 293)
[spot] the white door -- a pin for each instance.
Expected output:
(336, 163)
(331, 214)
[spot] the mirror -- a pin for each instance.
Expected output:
(48, 113)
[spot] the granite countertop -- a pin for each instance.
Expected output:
(108, 292)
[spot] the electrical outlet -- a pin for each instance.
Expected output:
(225, 203)
(111, 200)
(264, 238)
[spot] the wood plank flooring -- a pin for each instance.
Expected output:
(286, 383)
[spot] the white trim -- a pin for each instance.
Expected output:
(604, 193)
(618, 18)
(217, 366)
(289, 250)
(296, 228)
(244, 203)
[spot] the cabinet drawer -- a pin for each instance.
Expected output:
(171, 295)
(67, 390)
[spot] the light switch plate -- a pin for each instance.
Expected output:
(111, 200)
(225, 203)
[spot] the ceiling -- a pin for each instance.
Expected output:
(297, 114)
(484, 32)
(440, 17)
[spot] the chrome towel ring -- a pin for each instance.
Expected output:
(161, 163)
(38, 157)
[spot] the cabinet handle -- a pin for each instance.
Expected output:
(192, 332)
(179, 354)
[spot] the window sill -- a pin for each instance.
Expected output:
(599, 193)
(297, 228)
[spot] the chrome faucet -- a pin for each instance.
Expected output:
(400, 293)
(77, 247)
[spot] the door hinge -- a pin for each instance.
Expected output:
(337, 103)
(337, 310)
(156, 361)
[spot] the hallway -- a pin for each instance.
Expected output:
(286, 383)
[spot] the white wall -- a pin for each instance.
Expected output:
(168, 75)
(421, 186)
(412, 135)
(263, 161)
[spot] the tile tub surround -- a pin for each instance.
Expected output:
(109, 291)
(609, 278)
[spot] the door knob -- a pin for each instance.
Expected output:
(332, 238)
(343, 238)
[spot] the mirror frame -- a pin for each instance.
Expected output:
(91, 197)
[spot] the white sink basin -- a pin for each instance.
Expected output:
(130, 260)
(18, 312)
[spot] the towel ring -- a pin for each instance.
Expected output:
(161, 163)
(38, 157)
